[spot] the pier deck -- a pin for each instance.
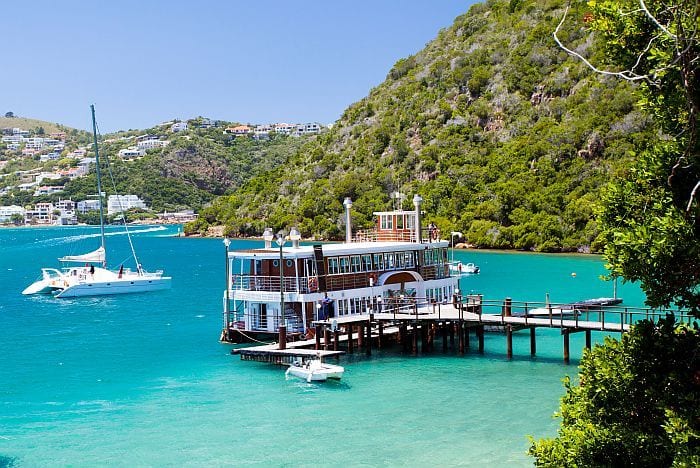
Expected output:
(409, 322)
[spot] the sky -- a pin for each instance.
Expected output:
(145, 62)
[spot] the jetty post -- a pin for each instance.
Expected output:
(507, 311)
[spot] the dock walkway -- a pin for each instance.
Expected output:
(407, 321)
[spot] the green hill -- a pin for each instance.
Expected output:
(33, 124)
(507, 138)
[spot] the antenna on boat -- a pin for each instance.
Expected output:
(99, 184)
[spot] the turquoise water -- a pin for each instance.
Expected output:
(141, 380)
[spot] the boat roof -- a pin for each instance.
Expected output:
(336, 249)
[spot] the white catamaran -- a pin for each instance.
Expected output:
(90, 280)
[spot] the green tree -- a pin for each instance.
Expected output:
(649, 218)
(637, 403)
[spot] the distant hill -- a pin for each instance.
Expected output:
(32, 124)
(507, 138)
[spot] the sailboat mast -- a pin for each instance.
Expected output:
(99, 183)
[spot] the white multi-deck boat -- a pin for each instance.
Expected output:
(294, 286)
(90, 280)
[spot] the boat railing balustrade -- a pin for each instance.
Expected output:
(374, 235)
(301, 285)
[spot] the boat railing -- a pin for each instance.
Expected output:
(272, 283)
(405, 235)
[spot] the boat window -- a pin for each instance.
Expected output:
(386, 222)
(290, 263)
(344, 265)
(408, 259)
(366, 263)
(399, 259)
(333, 268)
(275, 263)
(410, 222)
(258, 267)
(355, 263)
(389, 261)
(399, 222)
(379, 261)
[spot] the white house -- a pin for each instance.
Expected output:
(152, 143)
(131, 152)
(6, 212)
(88, 205)
(284, 128)
(178, 127)
(119, 203)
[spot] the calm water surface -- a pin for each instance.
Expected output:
(141, 380)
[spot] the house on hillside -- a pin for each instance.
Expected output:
(240, 130)
(119, 203)
(178, 127)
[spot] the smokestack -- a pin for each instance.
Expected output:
(348, 221)
(295, 237)
(417, 201)
(267, 236)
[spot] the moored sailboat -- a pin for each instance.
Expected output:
(91, 280)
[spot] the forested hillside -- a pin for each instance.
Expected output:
(193, 169)
(507, 138)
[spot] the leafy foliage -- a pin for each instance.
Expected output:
(649, 218)
(637, 403)
(507, 139)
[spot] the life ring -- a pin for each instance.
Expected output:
(313, 284)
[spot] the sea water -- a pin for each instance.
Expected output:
(142, 380)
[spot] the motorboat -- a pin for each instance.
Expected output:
(464, 268)
(315, 370)
(89, 279)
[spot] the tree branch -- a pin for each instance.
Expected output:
(626, 74)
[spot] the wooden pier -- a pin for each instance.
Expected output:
(408, 322)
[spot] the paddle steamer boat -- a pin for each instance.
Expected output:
(293, 285)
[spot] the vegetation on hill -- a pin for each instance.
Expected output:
(39, 127)
(198, 165)
(194, 168)
(637, 401)
(507, 138)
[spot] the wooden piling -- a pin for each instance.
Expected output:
(565, 332)
(444, 337)
(380, 327)
(509, 341)
(453, 325)
(466, 338)
(480, 336)
(588, 339)
(318, 337)
(283, 337)
(351, 345)
(336, 339)
(368, 344)
(326, 338)
(415, 338)
(360, 335)
(460, 336)
(424, 337)
(533, 342)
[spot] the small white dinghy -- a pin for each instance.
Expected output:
(315, 370)
(462, 268)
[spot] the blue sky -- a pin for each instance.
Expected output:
(144, 62)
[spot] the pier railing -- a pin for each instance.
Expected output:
(574, 314)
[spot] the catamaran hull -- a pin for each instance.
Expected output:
(41, 287)
(115, 287)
